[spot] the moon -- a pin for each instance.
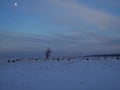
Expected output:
(15, 4)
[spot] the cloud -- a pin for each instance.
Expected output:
(17, 41)
(12, 41)
(68, 44)
(102, 19)
(65, 25)
(69, 13)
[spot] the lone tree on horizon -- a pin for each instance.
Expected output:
(47, 53)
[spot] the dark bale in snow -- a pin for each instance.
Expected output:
(87, 58)
(58, 59)
(117, 58)
(13, 61)
(36, 59)
(68, 59)
(53, 58)
(8, 61)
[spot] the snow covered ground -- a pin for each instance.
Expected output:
(76, 74)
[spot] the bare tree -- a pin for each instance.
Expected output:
(47, 53)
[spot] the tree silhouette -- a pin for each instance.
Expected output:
(47, 53)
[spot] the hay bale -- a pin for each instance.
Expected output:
(13, 61)
(87, 58)
(58, 59)
(8, 61)
(68, 59)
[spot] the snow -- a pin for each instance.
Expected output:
(76, 74)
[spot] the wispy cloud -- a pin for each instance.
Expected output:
(102, 19)
(65, 25)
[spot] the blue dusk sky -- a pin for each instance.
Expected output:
(68, 27)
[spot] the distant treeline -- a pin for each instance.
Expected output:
(104, 55)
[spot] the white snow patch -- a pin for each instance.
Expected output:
(76, 74)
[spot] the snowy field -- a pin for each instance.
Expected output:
(63, 74)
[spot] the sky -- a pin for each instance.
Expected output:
(67, 27)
